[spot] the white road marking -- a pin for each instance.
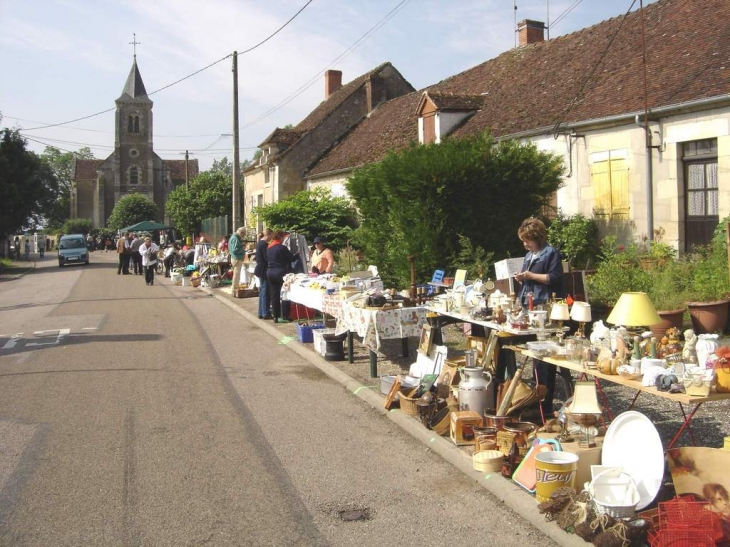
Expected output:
(59, 337)
(89, 328)
(10, 344)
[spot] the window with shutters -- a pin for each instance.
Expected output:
(610, 182)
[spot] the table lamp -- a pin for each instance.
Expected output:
(634, 309)
(560, 313)
(581, 313)
(585, 412)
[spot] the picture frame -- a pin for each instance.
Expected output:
(424, 345)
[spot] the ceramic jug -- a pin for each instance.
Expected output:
(476, 390)
(706, 347)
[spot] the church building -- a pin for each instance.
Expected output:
(133, 167)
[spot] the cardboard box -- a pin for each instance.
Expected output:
(504, 269)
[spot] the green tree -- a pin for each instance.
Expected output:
(419, 200)
(77, 226)
(62, 163)
(313, 213)
(131, 209)
(28, 187)
(210, 195)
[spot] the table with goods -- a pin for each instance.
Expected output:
(608, 479)
(360, 306)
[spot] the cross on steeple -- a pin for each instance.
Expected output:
(134, 43)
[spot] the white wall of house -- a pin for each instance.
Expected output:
(589, 147)
(334, 183)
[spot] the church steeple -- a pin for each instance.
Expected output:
(134, 87)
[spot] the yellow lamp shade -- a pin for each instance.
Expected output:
(634, 309)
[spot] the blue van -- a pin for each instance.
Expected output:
(72, 250)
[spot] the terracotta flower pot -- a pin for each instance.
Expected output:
(708, 317)
(670, 318)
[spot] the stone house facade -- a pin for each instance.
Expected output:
(288, 154)
(638, 110)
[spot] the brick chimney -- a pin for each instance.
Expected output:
(531, 32)
(332, 82)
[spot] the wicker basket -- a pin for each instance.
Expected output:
(408, 403)
(195, 281)
(441, 422)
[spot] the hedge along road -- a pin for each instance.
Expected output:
(157, 416)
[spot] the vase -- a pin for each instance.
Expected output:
(708, 317)
(670, 318)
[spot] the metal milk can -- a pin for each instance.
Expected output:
(475, 392)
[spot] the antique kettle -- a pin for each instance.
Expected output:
(475, 391)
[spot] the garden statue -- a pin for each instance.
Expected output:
(689, 354)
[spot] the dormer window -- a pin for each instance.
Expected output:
(440, 113)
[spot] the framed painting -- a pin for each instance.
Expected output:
(424, 345)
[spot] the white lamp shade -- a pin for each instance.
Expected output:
(634, 309)
(581, 312)
(560, 312)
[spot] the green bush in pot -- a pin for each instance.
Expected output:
(617, 272)
(669, 285)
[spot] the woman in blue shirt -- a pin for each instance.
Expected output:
(541, 275)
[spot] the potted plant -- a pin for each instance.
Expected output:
(667, 291)
(654, 253)
(709, 285)
(617, 272)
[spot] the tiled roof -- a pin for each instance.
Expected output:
(454, 101)
(177, 169)
(328, 106)
(86, 169)
(282, 137)
(587, 75)
(393, 125)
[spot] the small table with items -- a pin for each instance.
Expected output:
(680, 398)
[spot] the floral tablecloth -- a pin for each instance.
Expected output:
(376, 325)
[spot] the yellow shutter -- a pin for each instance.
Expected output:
(601, 181)
(619, 189)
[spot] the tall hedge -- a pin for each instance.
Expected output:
(420, 200)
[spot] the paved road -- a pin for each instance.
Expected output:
(134, 415)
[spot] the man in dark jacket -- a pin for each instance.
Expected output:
(260, 273)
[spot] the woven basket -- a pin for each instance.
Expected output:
(408, 403)
(195, 281)
(441, 422)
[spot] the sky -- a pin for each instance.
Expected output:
(62, 60)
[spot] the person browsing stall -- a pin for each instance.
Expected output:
(278, 264)
(541, 276)
(237, 251)
(322, 258)
(260, 272)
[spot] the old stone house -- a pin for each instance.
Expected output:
(133, 167)
(287, 154)
(639, 111)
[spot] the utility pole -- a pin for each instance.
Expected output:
(187, 169)
(187, 173)
(236, 222)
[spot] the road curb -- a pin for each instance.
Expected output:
(507, 492)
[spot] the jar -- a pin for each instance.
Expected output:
(485, 438)
(521, 431)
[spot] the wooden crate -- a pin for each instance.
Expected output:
(246, 293)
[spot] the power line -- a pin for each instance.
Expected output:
(314, 79)
(564, 14)
(184, 78)
(602, 57)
